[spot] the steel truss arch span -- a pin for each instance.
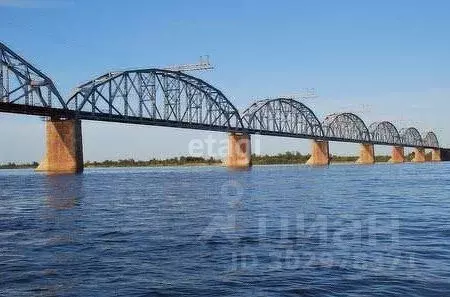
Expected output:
(411, 137)
(385, 132)
(431, 140)
(157, 94)
(284, 116)
(22, 83)
(346, 126)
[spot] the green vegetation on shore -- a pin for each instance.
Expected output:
(298, 158)
(284, 158)
(181, 161)
(12, 165)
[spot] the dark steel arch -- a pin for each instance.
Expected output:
(346, 126)
(156, 94)
(282, 115)
(411, 137)
(431, 140)
(385, 132)
(172, 98)
(22, 83)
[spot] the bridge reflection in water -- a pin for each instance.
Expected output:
(167, 98)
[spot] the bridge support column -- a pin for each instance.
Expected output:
(320, 153)
(239, 150)
(419, 155)
(398, 155)
(64, 147)
(436, 155)
(366, 154)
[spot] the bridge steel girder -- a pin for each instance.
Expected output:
(156, 95)
(22, 83)
(385, 132)
(430, 140)
(411, 137)
(346, 126)
(174, 99)
(282, 116)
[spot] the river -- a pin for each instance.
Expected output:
(343, 230)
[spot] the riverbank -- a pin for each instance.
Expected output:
(282, 159)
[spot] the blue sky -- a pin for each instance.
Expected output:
(385, 60)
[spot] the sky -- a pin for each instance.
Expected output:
(383, 60)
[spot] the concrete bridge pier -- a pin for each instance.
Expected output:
(436, 155)
(320, 153)
(64, 147)
(398, 155)
(419, 155)
(239, 150)
(366, 154)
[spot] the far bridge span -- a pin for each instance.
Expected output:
(167, 98)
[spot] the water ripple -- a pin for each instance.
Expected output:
(204, 231)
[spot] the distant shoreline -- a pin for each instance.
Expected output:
(187, 161)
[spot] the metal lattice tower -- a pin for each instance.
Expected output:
(203, 64)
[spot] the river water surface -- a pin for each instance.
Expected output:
(342, 230)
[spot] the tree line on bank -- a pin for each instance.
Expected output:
(283, 158)
(176, 161)
(298, 158)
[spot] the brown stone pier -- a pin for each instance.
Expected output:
(239, 151)
(319, 153)
(64, 147)
(436, 155)
(398, 155)
(366, 154)
(419, 155)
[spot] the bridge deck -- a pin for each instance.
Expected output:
(82, 115)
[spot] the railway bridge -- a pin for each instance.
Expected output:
(161, 97)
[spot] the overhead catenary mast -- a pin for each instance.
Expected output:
(307, 93)
(203, 64)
